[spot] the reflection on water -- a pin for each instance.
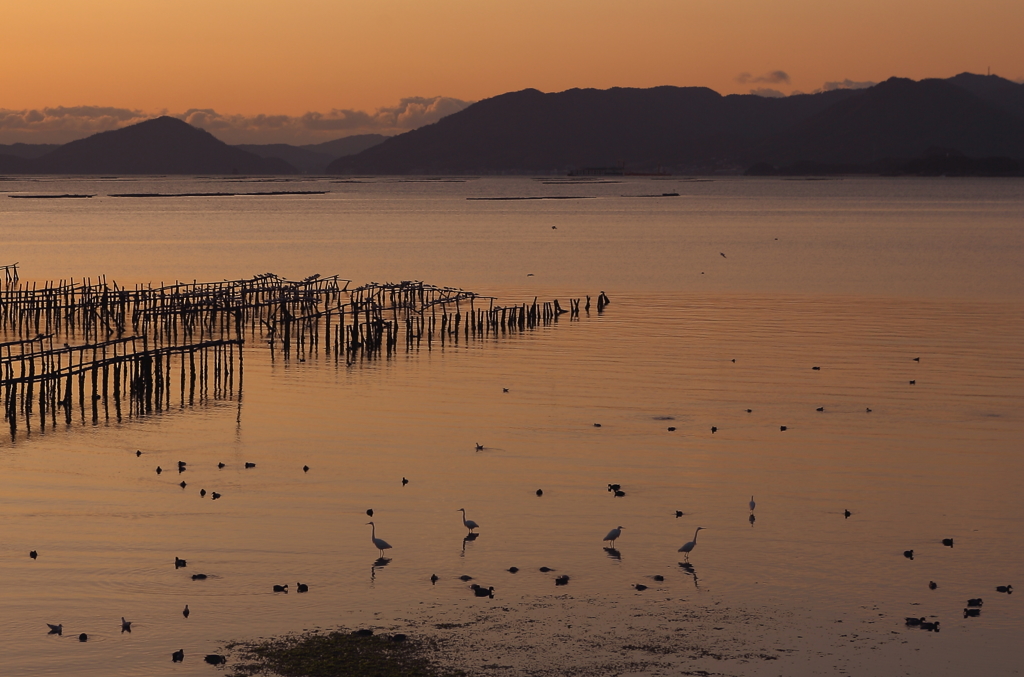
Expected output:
(936, 460)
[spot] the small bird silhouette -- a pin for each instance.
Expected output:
(679, 513)
(820, 409)
(917, 359)
(545, 570)
(369, 512)
(816, 368)
(868, 410)
(433, 579)
(159, 470)
(185, 612)
(138, 453)
(932, 585)
(750, 411)
(183, 485)
(714, 429)
(126, 626)
(250, 465)
(513, 570)
(178, 563)
(672, 429)
(301, 587)
(465, 578)
(214, 496)
(404, 481)
(56, 629)
(305, 468)
(1004, 588)
(782, 428)
(540, 492)
(33, 554)
(504, 390)
(597, 425)
(947, 542)
(658, 577)
(199, 577)
(479, 447)
(640, 586)
(215, 659)
(723, 255)
(847, 513)
(220, 465)
(562, 580)
(281, 588)
(83, 637)
(202, 492)
(178, 656)
(909, 554)
(619, 493)
(913, 383)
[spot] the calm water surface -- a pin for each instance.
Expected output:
(857, 277)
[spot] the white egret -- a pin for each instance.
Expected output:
(470, 524)
(613, 534)
(687, 547)
(752, 504)
(380, 543)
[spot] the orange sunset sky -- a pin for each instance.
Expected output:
(236, 60)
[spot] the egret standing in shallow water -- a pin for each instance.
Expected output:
(380, 543)
(613, 534)
(687, 547)
(470, 524)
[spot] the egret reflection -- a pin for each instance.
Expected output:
(470, 537)
(689, 570)
(752, 519)
(613, 554)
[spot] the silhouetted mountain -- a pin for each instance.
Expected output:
(306, 161)
(164, 145)
(314, 158)
(11, 164)
(697, 130)
(29, 151)
(347, 145)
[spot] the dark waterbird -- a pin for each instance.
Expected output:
(199, 577)
(250, 465)
(281, 588)
(544, 570)
(597, 425)
(820, 409)
(185, 612)
(947, 542)
(504, 390)
(972, 613)
(301, 587)
(816, 368)
(55, 629)
(614, 487)
(658, 577)
(178, 656)
(138, 453)
(782, 428)
(183, 485)
(404, 481)
(513, 570)
(640, 587)
(479, 447)
(433, 579)
(671, 429)
(1004, 588)
(847, 513)
(714, 429)
(83, 637)
(215, 659)
(750, 411)
(220, 465)
(159, 470)
(562, 580)
(202, 493)
(214, 496)
(909, 554)
(915, 622)
(932, 585)
(975, 601)
(465, 579)
(33, 554)
(931, 627)
(540, 492)
(913, 383)
(619, 493)
(868, 410)
(305, 468)
(679, 513)
(179, 562)
(126, 626)
(481, 591)
(369, 512)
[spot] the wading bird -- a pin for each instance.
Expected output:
(613, 534)
(380, 543)
(687, 547)
(469, 524)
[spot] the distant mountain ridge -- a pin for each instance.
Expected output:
(314, 158)
(696, 130)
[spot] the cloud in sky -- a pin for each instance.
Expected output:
(772, 78)
(768, 92)
(63, 124)
(845, 84)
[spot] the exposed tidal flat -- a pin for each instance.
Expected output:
(865, 276)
